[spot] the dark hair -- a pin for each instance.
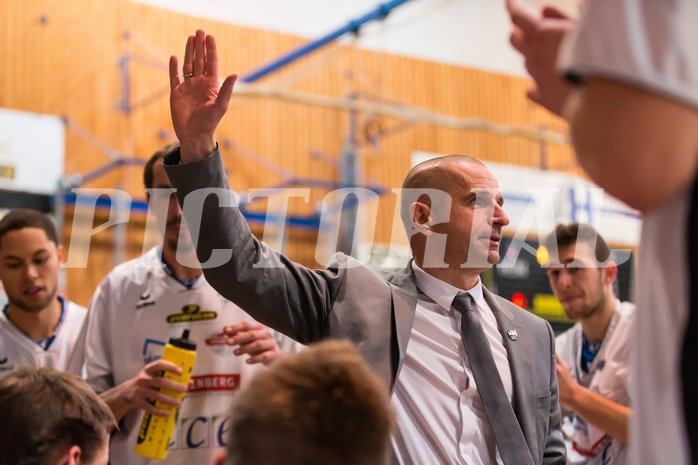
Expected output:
(574, 233)
(45, 412)
(321, 406)
(157, 156)
(27, 218)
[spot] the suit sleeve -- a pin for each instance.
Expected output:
(274, 290)
(555, 451)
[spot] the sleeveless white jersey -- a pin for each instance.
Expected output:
(133, 313)
(65, 353)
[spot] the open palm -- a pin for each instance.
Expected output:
(197, 100)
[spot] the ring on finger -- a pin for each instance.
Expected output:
(187, 75)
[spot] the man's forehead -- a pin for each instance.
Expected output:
(580, 253)
(473, 170)
(481, 181)
(24, 237)
(160, 179)
(25, 234)
(161, 186)
(8, 253)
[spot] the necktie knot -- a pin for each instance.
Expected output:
(463, 303)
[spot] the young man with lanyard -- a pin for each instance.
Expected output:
(38, 328)
(593, 356)
(140, 305)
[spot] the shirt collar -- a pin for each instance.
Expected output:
(443, 293)
(188, 283)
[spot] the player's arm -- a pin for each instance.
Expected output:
(640, 146)
(605, 414)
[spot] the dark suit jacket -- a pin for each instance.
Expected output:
(348, 300)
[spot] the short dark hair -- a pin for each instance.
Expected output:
(574, 233)
(154, 158)
(21, 218)
(45, 412)
(321, 406)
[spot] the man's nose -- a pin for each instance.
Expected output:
(500, 217)
(174, 206)
(564, 279)
(31, 271)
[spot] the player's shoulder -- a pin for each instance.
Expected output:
(73, 308)
(626, 310)
(136, 270)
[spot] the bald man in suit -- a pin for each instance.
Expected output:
(452, 210)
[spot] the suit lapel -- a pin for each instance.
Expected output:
(404, 295)
(518, 352)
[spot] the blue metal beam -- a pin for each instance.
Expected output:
(352, 26)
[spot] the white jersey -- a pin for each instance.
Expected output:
(65, 352)
(609, 376)
(135, 310)
(650, 44)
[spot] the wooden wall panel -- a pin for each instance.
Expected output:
(79, 58)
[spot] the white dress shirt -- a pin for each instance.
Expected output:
(440, 416)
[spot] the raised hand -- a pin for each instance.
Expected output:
(253, 339)
(538, 40)
(197, 101)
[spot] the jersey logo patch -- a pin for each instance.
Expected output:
(152, 350)
(191, 312)
(219, 339)
(218, 344)
(214, 383)
(144, 300)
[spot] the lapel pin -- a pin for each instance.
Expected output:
(513, 335)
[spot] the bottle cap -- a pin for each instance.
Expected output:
(183, 342)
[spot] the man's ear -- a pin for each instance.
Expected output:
(221, 458)
(61, 254)
(71, 457)
(420, 214)
(610, 273)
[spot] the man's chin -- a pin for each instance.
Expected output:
(33, 305)
(481, 263)
(183, 246)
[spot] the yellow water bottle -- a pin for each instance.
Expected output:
(155, 432)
